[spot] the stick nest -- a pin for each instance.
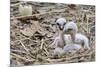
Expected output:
(31, 35)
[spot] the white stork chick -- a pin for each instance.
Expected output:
(25, 10)
(77, 38)
(59, 40)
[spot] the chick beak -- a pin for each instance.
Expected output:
(61, 27)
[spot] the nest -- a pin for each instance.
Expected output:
(31, 35)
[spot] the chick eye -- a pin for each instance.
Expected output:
(64, 23)
(70, 29)
(57, 23)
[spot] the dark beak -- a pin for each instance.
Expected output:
(61, 27)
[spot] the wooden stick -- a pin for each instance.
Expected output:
(17, 4)
(46, 51)
(42, 42)
(87, 24)
(18, 51)
(23, 46)
(23, 58)
(83, 28)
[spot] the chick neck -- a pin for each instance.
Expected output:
(61, 35)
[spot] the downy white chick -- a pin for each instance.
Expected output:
(59, 40)
(77, 38)
(58, 43)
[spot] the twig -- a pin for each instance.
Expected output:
(88, 16)
(42, 42)
(87, 24)
(83, 27)
(13, 5)
(18, 51)
(46, 51)
(23, 46)
(23, 58)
